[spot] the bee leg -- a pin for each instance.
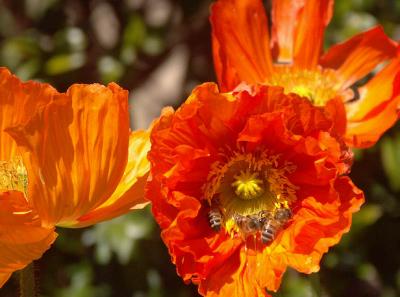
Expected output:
(216, 226)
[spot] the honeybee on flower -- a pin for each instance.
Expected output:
(247, 183)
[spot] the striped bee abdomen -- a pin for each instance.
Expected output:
(215, 219)
(268, 232)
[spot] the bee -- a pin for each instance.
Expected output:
(249, 224)
(272, 225)
(264, 215)
(215, 219)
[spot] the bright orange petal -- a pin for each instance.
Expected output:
(284, 16)
(313, 19)
(319, 225)
(226, 74)
(18, 101)
(22, 239)
(234, 278)
(377, 109)
(335, 110)
(240, 42)
(130, 191)
(78, 148)
(316, 227)
(4, 278)
(359, 55)
(193, 151)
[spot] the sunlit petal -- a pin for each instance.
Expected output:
(130, 191)
(240, 41)
(359, 55)
(22, 239)
(312, 21)
(284, 20)
(22, 97)
(78, 149)
(377, 109)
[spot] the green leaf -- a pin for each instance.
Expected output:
(63, 63)
(135, 32)
(390, 154)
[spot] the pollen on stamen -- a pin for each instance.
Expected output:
(318, 85)
(13, 176)
(247, 185)
(303, 91)
(249, 189)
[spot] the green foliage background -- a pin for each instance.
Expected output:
(130, 42)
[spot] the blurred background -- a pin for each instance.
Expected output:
(160, 50)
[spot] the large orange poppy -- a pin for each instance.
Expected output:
(66, 159)
(246, 184)
(291, 55)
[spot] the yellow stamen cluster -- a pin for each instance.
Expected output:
(303, 91)
(247, 186)
(13, 176)
(318, 85)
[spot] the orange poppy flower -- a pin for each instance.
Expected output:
(291, 56)
(245, 184)
(66, 159)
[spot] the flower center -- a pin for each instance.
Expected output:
(303, 91)
(247, 186)
(13, 176)
(319, 85)
(247, 190)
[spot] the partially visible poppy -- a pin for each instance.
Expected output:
(246, 184)
(292, 56)
(22, 238)
(66, 159)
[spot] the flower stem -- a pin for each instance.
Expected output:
(316, 284)
(27, 281)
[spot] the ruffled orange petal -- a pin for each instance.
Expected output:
(240, 42)
(359, 55)
(284, 16)
(377, 109)
(324, 216)
(18, 101)
(130, 191)
(243, 275)
(336, 112)
(309, 35)
(195, 252)
(188, 146)
(78, 149)
(22, 239)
